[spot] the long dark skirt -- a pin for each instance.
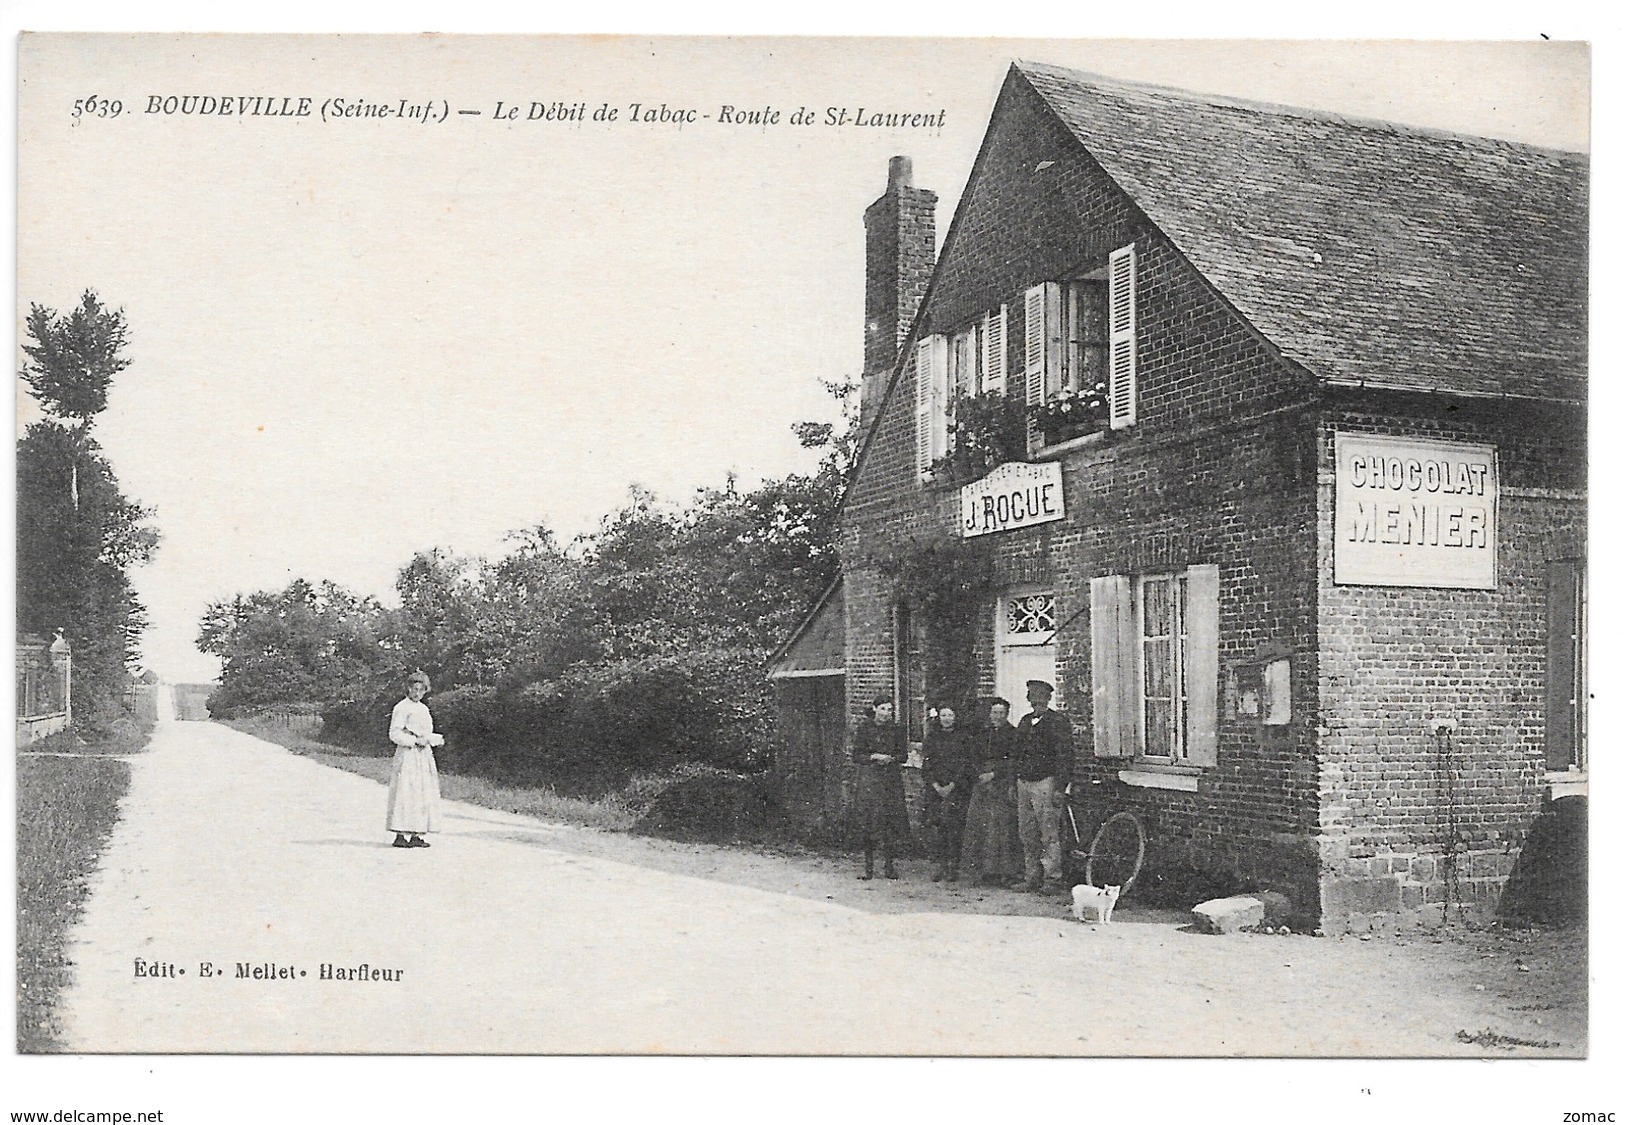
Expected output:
(992, 847)
(946, 816)
(878, 812)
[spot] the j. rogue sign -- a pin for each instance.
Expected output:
(1012, 496)
(1412, 512)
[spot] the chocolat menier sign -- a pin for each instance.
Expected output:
(1414, 512)
(1012, 496)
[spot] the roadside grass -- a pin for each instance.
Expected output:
(126, 736)
(68, 795)
(611, 812)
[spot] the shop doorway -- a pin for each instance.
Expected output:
(1024, 633)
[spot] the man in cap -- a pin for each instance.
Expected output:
(1043, 771)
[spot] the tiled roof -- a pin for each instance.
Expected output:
(1369, 253)
(818, 644)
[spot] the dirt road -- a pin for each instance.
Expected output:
(239, 871)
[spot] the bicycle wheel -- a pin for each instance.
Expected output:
(1116, 852)
(1074, 853)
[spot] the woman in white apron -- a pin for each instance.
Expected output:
(414, 787)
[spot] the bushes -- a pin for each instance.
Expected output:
(357, 724)
(710, 806)
(592, 728)
(657, 712)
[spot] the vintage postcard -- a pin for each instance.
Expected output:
(802, 547)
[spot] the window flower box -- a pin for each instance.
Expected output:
(1071, 413)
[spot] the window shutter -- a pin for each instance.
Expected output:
(1562, 630)
(1110, 635)
(1043, 303)
(922, 408)
(1120, 299)
(930, 403)
(1202, 665)
(993, 350)
(1041, 349)
(937, 346)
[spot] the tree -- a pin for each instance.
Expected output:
(73, 561)
(439, 607)
(73, 358)
(532, 616)
(301, 644)
(71, 364)
(838, 440)
(78, 535)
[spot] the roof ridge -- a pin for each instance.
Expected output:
(1281, 109)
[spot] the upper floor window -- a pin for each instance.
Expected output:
(947, 369)
(1078, 350)
(1079, 344)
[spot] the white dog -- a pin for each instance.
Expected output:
(1094, 904)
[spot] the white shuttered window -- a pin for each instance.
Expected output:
(1111, 667)
(1083, 332)
(1154, 662)
(1202, 665)
(1043, 349)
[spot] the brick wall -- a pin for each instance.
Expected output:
(901, 246)
(1412, 826)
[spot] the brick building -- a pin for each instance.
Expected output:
(1260, 432)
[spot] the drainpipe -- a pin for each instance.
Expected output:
(1444, 744)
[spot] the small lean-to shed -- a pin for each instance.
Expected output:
(809, 689)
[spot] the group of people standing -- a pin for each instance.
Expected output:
(993, 795)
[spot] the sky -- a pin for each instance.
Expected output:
(357, 339)
(354, 343)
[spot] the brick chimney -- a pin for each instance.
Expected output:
(901, 246)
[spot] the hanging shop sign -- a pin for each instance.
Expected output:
(1413, 512)
(1014, 495)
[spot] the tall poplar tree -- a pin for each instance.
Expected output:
(78, 535)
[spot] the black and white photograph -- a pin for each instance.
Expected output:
(804, 548)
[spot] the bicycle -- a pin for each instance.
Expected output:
(1116, 850)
